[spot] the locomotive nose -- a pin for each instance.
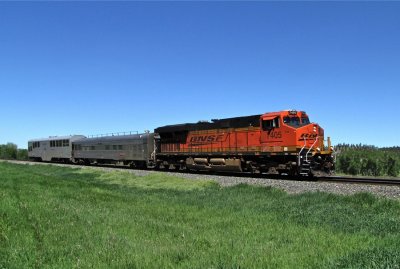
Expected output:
(317, 130)
(311, 136)
(309, 133)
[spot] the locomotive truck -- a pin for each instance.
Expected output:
(283, 142)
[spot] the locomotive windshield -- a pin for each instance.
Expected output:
(295, 121)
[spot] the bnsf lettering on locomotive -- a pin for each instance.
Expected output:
(207, 138)
(308, 136)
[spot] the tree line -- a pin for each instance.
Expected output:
(10, 151)
(367, 160)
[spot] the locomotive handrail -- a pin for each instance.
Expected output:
(334, 154)
(316, 139)
(305, 143)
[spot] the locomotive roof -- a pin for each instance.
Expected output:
(237, 122)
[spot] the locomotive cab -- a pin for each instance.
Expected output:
(291, 135)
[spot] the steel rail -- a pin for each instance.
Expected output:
(361, 180)
(333, 179)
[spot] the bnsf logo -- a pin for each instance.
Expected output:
(207, 138)
(308, 136)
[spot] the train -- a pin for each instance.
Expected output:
(284, 142)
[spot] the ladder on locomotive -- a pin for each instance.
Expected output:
(305, 163)
(304, 160)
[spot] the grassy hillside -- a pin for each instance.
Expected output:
(53, 217)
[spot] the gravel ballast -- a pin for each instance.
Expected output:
(290, 186)
(294, 187)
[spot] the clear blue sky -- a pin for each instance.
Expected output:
(99, 67)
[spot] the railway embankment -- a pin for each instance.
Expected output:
(289, 186)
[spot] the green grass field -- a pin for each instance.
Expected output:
(55, 217)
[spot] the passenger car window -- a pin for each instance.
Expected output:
(36, 144)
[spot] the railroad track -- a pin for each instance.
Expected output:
(333, 179)
(361, 180)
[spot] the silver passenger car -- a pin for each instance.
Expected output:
(52, 149)
(134, 150)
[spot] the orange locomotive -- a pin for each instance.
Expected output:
(282, 142)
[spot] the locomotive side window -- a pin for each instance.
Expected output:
(305, 121)
(269, 124)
